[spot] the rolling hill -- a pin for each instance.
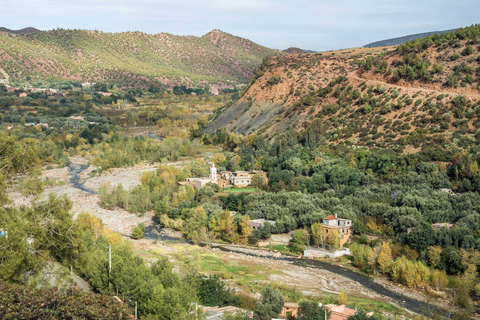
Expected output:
(401, 40)
(131, 58)
(424, 93)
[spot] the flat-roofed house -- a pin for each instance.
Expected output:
(340, 312)
(290, 309)
(258, 223)
(342, 226)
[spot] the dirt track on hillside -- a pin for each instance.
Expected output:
(355, 78)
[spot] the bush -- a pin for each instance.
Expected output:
(467, 51)
(459, 101)
(138, 231)
(274, 80)
(455, 56)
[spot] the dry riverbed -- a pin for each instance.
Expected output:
(241, 271)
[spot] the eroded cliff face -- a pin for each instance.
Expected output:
(279, 83)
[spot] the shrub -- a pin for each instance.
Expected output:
(455, 56)
(274, 80)
(467, 51)
(459, 101)
(452, 80)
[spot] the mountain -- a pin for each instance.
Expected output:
(131, 58)
(421, 94)
(21, 31)
(294, 50)
(402, 40)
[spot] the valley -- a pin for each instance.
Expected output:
(205, 172)
(294, 276)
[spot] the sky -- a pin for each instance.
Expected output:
(314, 25)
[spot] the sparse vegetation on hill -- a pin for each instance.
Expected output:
(131, 59)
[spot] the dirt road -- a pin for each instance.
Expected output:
(355, 78)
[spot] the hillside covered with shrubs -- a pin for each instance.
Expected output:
(422, 95)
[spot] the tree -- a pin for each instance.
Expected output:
(213, 292)
(295, 164)
(161, 208)
(434, 253)
(259, 181)
(21, 302)
(218, 158)
(384, 258)
(318, 234)
(342, 297)
(245, 228)
(223, 226)
(420, 238)
(439, 279)
(138, 231)
(311, 311)
(270, 305)
(299, 240)
(333, 239)
(196, 225)
(35, 235)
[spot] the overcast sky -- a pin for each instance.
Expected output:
(315, 25)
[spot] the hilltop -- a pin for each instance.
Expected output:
(401, 40)
(417, 95)
(20, 31)
(295, 50)
(131, 58)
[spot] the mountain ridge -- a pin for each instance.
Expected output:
(130, 59)
(401, 40)
(26, 30)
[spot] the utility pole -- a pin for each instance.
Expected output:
(135, 309)
(109, 263)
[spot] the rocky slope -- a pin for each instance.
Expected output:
(130, 58)
(421, 95)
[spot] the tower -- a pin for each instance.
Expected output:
(213, 173)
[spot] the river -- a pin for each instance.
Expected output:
(152, 232)
(403, 301)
